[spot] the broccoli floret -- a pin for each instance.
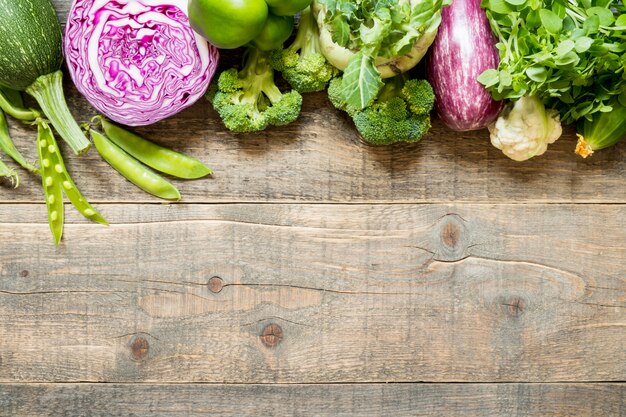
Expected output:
(419, 96)
(400, 112)
(302, 63)
(335, 95)
(249, 100)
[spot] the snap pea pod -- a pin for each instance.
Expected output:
(7, 145)
(132, 169)
(52, 187)
(14, 96)
(155, 156)
(13, 106)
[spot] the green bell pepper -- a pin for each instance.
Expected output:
(230, 24)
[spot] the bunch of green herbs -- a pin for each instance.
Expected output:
(570, 54)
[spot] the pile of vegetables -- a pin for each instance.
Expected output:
(248, 99)
(565, 55)
(135, 60)
(519, 68)
(372, 41)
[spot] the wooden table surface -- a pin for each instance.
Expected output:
(315, 275)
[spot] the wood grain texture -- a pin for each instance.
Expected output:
(357, 293)
(466, 288)
(321, 159)
(364, 400)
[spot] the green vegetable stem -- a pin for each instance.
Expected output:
(56, 181)
(133, 170)
(7, 145)
(48, 91)
(302, 63)
(9, 173)
(157, 157)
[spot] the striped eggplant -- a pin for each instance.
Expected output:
(463, 49)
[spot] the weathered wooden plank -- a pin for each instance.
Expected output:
(355, 294)
(428, 400)
(320, 159)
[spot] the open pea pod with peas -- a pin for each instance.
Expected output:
(56, 181)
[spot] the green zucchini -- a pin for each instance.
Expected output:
(30, 60)
(604, 130)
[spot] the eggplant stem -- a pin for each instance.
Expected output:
(582, 147)
(48, 91)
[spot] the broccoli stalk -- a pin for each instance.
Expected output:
(249, 100)
(400, 112)
(302, 64)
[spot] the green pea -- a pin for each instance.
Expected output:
(78, 201)
(155, 156)
(133, 170)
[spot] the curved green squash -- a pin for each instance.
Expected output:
(31, 54)
(30, 42)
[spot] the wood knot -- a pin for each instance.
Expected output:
(272, 335)
(450, 235)
(216, 284)
(24, 273)
(452, 238)
(139, 348)
(515, 306)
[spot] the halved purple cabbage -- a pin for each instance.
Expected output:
(137, 61)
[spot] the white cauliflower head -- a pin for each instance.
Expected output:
(525, 129)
